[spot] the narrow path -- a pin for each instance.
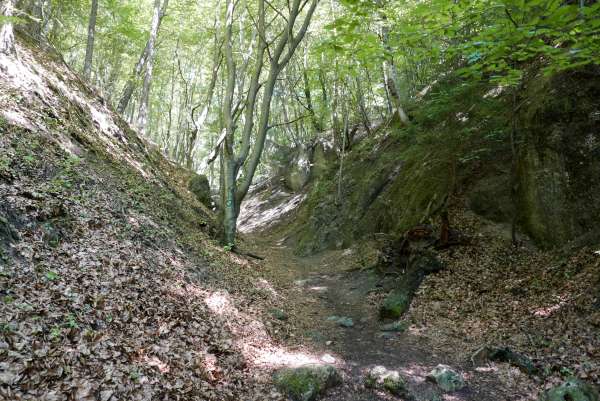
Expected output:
(321, 286)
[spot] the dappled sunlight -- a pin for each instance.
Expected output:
(154, 362)
(258, 214)
(265, 285)
(276, 357)
(250, 336)
(219, 303)
(548, 311)
(416, 373)
(36, 82)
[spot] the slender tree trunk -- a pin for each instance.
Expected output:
(390, 71)
(360, 99)
(131, 82)
(130, 85)
(228, 170)
(89, 50)
(309, 104)
(142, 120)
(7, 39)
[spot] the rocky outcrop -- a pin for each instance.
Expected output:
(200, 187)
(559, 184)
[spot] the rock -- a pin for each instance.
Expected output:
(396, 326)
(200, 187)
(307, 382)
(571, 390)
(389, 380)
(394, 306)
(279, 314)
(507, 355)
(328, 358)
(341, 321)
(446, 378)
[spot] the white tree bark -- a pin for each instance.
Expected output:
(7, 39)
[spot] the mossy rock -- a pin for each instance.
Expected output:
(395, 305)
(571, 390)
(200, 187)
(398, 327)
(446, 378)
(278, 314)
(388, 380)
(307, 382)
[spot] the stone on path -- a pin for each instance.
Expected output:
(279, 314)
(572, 390)
(381, 378)
(341, 321)
(446, 378)
(395, 326)
(307, 382)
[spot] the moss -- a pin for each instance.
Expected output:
(306, 382)
(395, 305)
(573, 389)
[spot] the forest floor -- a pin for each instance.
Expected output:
(490, 294)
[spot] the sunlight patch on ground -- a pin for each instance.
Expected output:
(275, 357)
(157, 363)
(250, 336)
(417, 373)
(548, 311)
(265, 285)
(219, 303)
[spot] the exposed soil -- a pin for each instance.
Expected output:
(332, 284)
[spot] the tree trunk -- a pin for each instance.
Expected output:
(360, 99)
(390, 72)
(89, 50)
(131, 82)
(283, 48)
(7, 39)
(130, 85)
(142, 118)
(309, 104)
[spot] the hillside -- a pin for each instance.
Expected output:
(111, 286)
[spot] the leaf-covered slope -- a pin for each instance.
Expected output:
(110, 286)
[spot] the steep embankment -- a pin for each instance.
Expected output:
(110, 285)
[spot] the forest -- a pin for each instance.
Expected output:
(343, 200)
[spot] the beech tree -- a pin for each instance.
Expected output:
(7, 45)
(89, 51)
(239, 167)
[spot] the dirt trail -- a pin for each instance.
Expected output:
(321, 286)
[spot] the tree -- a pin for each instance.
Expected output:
(144, 57)
(89, 51)
(159, 12)
(7, 40)
(281, 48)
